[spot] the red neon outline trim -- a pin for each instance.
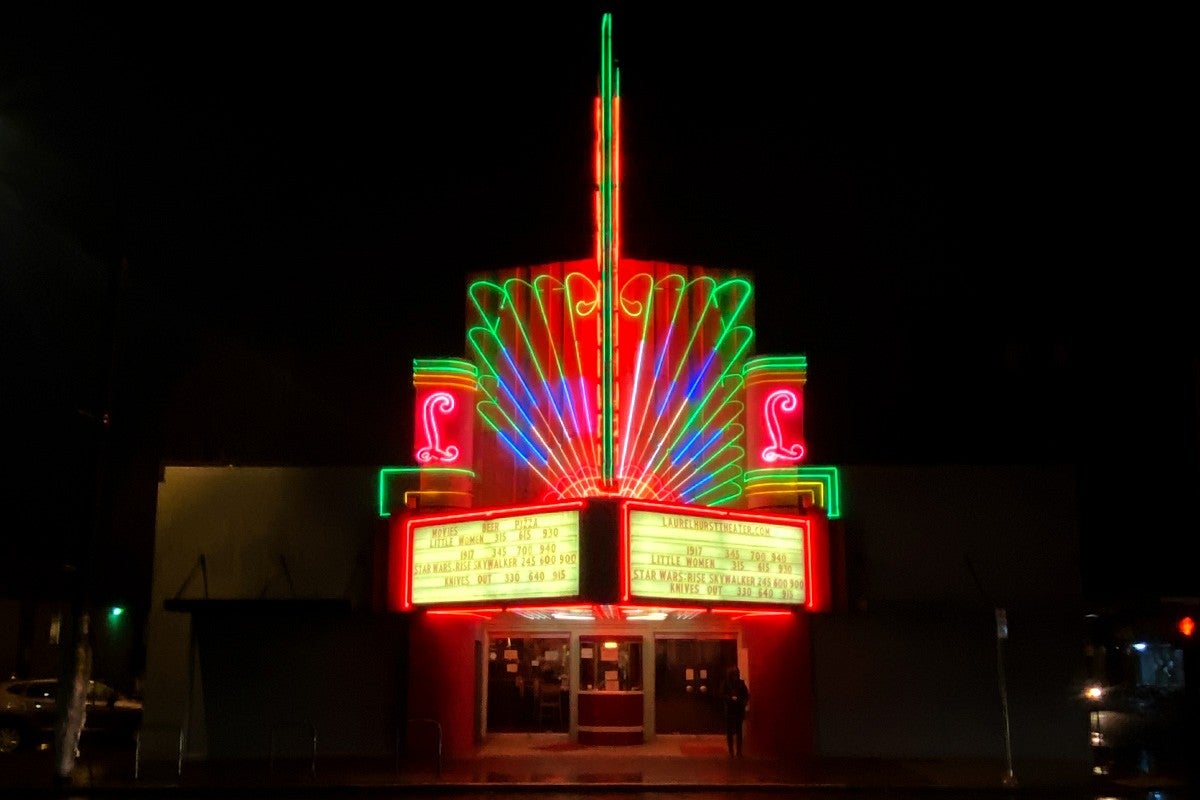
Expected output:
(487, 612)
(407, 585)
(669, 609)
(755, 613)
(433, 519)
(434, 612)
(554, 607)
(624, 574)
(468, 610)
(718, 513)
(499, 511)
(795, 521)
(809, 594)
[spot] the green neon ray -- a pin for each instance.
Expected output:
(730, 365)
(481, 410)
(444, 366)
(717, 383)
(833, 485)
(647, 310)
(731, 433)
(688, 472)
(724, 492)
(571, 448)
(828, 476)
(645, 437)
(386, 473)
(776, 363)
(720, 384)
(551, 451)
(551, 419)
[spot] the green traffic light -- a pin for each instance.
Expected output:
(116, 611)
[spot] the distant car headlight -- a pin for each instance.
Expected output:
(1094, 692)
(1097, 739)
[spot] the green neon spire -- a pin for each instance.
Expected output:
(607, 249)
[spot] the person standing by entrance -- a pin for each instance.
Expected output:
(735, 694)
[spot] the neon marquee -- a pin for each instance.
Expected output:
(626, 399)
(707, 557)
(530, 552)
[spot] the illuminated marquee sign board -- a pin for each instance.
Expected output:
(494, 556)
(709, 556)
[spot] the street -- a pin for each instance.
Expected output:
(108, 772)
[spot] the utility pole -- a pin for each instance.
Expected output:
(1009, 779)
(1001, 638)
(76, 666)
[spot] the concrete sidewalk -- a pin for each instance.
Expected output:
(549, 762)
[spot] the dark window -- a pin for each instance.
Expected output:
(99, 692)
(44, 690)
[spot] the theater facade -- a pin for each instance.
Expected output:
(609, 502)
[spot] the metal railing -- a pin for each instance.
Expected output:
(402, 731)
(303, 725)
(137, 749)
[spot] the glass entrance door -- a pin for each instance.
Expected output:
(687, 683)
(528, 684)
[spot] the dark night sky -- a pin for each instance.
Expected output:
(963, 219)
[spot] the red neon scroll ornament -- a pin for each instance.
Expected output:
(779, 400)
(436, 403)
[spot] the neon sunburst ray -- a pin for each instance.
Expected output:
(679, 434)
(616, 377)
(682, 395)
(534, 376)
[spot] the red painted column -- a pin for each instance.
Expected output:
(779, 719)
(775, 411)
(444, 430)
(818, 560)
(441, 682)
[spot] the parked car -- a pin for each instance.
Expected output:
(28, 713)
(1139, 732)
(1138, 711)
